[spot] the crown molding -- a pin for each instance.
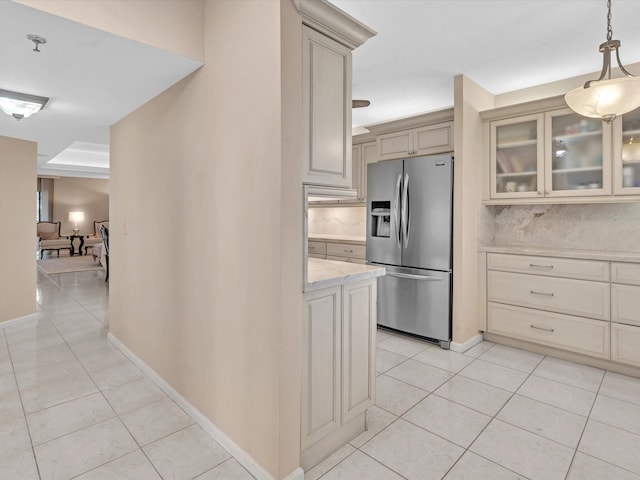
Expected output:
(333, 22)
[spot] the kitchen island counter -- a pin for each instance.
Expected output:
(329, 273)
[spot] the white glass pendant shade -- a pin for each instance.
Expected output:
(606, 99)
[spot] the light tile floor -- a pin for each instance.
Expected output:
(73, 407)
(491, 413)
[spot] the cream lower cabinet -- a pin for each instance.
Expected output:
(590, 307)
(625, 313)
(547, 300)
(322, 360)
(338, 251)
(338, 375)
(316, 249)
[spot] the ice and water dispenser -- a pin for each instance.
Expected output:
(380, 219)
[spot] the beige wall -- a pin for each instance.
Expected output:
(88, 195)
(172, 25)
(470, 99)
(206, 253)
(18, 160)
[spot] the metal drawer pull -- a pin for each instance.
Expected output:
(533, 265)
(550, 330)
(541, 293)
(348, 251)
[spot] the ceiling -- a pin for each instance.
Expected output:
(92, 78)
(95, 78)
(503, 45)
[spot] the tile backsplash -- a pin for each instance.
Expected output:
(606, 227)
(350, 221)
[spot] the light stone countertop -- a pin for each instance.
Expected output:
(565, 253)
(324, 237)
(329, 273)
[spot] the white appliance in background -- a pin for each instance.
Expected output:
(409, 231)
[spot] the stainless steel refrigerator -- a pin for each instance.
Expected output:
(409, 231)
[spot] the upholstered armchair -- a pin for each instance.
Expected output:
(96, 237)
(49, 238)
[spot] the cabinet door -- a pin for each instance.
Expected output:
(626, 154)
(625, 344)
(433, 139)
(395, 145)
(321, 360)
(369, 155)
(517, 157)
(326, 76)
(578, 159)
(357, 181)
(358, 348)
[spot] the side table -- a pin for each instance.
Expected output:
(72, 237)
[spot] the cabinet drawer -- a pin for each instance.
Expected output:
(581, 335)
(550, 266)
(317, 248)
(625, 344)
(575, 297)
(346, 250)
(625, 304)
(337, 258)
(625, 273)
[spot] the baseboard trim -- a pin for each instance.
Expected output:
(207, 425)
(463, 347)
(18, 321)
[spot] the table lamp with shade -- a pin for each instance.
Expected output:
(76, 217)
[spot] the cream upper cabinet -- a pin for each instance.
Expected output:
(357, 177)
(626, 154)
(326, 110)
(517, 157)
(578, 155)
(552, 154)
(362, 155)
(425, 140)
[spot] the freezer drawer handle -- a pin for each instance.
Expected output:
(541, 293)
(429, 278)
(550, 330)
(533, 265)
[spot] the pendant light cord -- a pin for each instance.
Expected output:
(609, 29)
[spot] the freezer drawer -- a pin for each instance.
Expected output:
(416, 301)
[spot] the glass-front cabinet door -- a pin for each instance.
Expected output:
(626, 154)
(576, 163)
(517, 157)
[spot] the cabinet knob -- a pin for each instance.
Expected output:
(539, 192)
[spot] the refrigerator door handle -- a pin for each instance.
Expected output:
(410, 276)
(396, 202)
(405, 210)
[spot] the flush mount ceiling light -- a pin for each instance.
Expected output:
(606, 97)
(21, 105)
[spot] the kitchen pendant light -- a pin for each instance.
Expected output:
(606, 97)
(20, 105)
